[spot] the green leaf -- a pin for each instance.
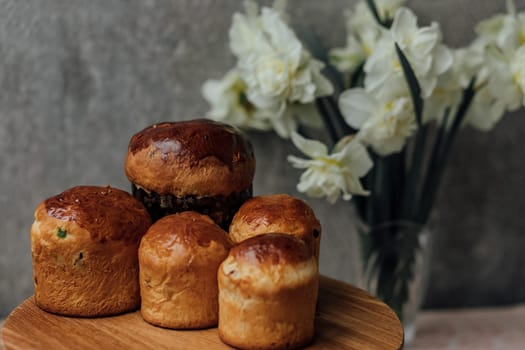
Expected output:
(414, 175)
(466, 101)
(373, 9)
(413, 85)
(433, 170)
(328, 120)
(438, 164)
(358, 78)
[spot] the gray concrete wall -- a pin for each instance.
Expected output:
(78, 78)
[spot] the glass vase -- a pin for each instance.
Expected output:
(393, 264)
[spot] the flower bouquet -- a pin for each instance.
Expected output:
(392, 102)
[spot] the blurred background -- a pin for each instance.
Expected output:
(79, 78)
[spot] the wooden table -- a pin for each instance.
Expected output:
(347, 318)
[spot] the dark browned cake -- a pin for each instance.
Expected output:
(198, 165)
(220, 208)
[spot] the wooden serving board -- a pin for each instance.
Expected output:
(347, 318)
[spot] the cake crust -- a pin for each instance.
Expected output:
(84, 245)
(277, 213)
(179, 257)
(268, 289)
(198, 157)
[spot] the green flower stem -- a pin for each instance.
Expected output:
(434, 165)
(373, 9)
(358, 77)
(398, 182)
(382, 189)
(413, 85)
(338, 117)
(389, 254)
(328, 120)
(371, 200)
(437, 166)
(414, 174)
(385, 22)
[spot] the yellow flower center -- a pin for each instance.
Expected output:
(396, 64)
(440, 91)
(367, 49)
(238, 87)
(330, 161)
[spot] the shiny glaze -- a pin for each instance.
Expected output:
(194, 140)
(272, 248)
(107, 213)
(188, 229)
(289, 213)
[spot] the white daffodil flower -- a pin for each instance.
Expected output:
(385, 121)
(517, 69)
(450, 85)
(329, 175)
(348, 58)
(228, 102)
(506, 32)
(422, 47)
(501, 40)
(388, 8)
(485, 110)
(363, 33)
(505, 78)
(361, 17)
(278, 72)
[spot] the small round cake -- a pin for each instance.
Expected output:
(277, 213)
(84, 245)
(198, 165)
(267, 293)
(179, 257)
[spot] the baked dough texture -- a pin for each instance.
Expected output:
(84, 245)
(277, 213)
(179, 257)
(268, 289)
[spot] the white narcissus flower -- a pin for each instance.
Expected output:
(505, 78)
(507, 32)
(279, 73)
(363, 32)
(517, 69)
(228, 102)
(387, 8)
(501, 39)
(485, 110)
(385, 121)
(348, 58)
(329, 175)
(422, 47)
(361, 17)
(450, 85)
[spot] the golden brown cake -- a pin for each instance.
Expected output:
(267, 293)
(84, 245)
(277, 213)
(179, 257)
(197, 165)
